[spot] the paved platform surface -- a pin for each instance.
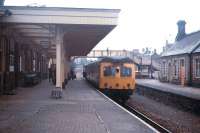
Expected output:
(81, 110)
(190, 92)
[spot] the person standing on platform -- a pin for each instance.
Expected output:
(50, 74)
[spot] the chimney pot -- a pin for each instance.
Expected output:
(181, 30)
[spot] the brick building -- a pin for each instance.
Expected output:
(180, 64)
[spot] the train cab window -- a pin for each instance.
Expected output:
(126, 71)
(109, 71)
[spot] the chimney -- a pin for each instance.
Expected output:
(1, 2)
(181, 30)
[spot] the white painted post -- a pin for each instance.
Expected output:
(58, 58)
(62, 66)
(57, 92)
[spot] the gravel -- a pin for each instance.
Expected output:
(172, 118)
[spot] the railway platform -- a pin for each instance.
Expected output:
(82, 109)
(184, 98)
(190, 92)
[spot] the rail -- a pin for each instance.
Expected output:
(138, 114)
(146, 119)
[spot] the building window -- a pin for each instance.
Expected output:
(175, 68)
(164, 68)
(197, 61)
(182, 62)
(109, 71)
(11, 56)
(126, 72)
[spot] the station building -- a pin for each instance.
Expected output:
(34, 38)
(180, 63)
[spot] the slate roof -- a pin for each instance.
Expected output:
(116, 59)
(184, 46)
(197, 50)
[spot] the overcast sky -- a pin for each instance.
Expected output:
(142, 23)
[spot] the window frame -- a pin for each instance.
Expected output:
(197, 67)
(176, 68)
(121, 71)
(111, 72)
(182, 62)
(164, 68)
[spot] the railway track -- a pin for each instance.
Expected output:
(146, 119)
(140, 115)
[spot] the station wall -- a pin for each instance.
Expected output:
(19, 61)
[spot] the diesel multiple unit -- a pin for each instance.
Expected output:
(112, 75)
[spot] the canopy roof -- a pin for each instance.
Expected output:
(83, 28)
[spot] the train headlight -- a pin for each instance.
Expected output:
(117, 85)
(128, 85)
(105, 84)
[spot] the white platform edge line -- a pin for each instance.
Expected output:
(152, 128)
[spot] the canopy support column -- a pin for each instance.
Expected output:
(57, 92)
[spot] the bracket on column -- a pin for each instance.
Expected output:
(57, 92)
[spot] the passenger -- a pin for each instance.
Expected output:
(72, 75)
(54, 76)
(50, 74)
(84, 74)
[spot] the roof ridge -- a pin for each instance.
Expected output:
(193, 33)
(196, 47)
(186, 45)
(186, 36)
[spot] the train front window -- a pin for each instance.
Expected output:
(109, 71)
(126, 71)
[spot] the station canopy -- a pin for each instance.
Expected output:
(83, 28)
